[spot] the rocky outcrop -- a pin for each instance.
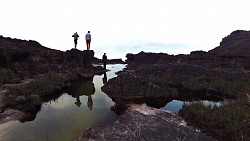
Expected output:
(176, 81)
(30, 57)
(235, 44)
(200, 74)
(21, 60)
(144, 124)
(233, 52)
(109, 61)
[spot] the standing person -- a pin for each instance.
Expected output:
(104, 60)
(88, 39)
(75, 35)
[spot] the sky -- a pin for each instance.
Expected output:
(119, 27)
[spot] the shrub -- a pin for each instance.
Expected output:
(30, 96)
(227, 122)
(8, 76)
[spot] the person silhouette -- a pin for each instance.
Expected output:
(75, 35)
(78, 102)
(104, 79)
(88, 40)
(104, 60)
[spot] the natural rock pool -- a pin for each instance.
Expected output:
(82, 106)
(63, 119)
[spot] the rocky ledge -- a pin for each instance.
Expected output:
(144, 124)
(159, 83)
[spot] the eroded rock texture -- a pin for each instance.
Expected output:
(144, 125)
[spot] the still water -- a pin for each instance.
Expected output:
(83, 106)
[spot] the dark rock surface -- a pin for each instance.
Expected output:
(144, 125)
(173, 81)
(109, 61)
(235, 44)
(31, 58)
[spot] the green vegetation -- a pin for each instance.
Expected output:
(28, 97)
(230, 121)
(8, 76)
(227, 122)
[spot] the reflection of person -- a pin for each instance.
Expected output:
(104, 60)
(85, 87)
(90, 102)
(75, 38)
(104, 79)
(78, 102)
(88, 40)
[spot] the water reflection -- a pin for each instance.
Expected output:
(104, 79)
(90, 102)
(64, 118)
(83, 88)
(176, 105)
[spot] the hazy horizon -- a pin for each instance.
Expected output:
(121, 27)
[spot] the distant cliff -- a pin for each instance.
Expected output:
(233, 52)
(237, 44)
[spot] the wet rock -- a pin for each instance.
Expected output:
(144, 125)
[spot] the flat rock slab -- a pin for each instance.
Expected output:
(10, 114)
(144, 125)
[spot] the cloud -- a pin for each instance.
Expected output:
(120, 50)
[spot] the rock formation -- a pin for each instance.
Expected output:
(21, 60)
(30, 57)
(213, 74)
(145, 124)
(233, 52)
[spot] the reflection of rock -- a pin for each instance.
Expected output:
(85, 87)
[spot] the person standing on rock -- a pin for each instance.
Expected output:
(104, 60)
(88, 40)
(75, 38)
